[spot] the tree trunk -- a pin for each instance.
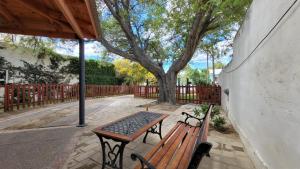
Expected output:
(213, 68)
(167, 87)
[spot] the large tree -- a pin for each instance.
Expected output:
(153, 32)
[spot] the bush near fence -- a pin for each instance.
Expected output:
(185, 94)
(17, 96)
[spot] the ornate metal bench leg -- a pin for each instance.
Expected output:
(145, 138)
(153, 130)
(110, 157)
(160, 123)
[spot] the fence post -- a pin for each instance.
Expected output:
(12, 96)
(23, 96)
(147, 89)
(62, 93)
(18, 97)
(5, 97)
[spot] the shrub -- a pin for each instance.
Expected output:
(219, 122)
(215, 111)
(204, 107)
(198, 111)
(201, 110)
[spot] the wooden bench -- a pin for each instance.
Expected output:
(183, 147)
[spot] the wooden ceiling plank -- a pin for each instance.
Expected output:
(45, 12)
(7, 14)
(38, 33)
(41, 10)
(91, 14)
(70, 17)
(40, 25)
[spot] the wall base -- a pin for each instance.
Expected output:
(254, 156)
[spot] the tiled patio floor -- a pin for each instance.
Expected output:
(227, 153)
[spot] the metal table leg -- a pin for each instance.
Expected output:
(153, 130)
(111, 157)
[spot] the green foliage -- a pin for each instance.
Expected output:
(201, 110)
(198, 111)
(102, 80)
(204, 107)
(200, 77)
(97, 72)
(37, 73)
(219, 122)
(219, 65)
(132, 72)
(5, 65)
(196, 76)
(162, 27)
(215, 111)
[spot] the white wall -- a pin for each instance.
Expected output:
(264, 89)
(15, 55)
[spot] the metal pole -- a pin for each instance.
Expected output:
(81, 84)
(6, 76)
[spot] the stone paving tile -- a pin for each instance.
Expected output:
(227, 151)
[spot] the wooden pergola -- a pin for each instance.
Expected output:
(68, 19)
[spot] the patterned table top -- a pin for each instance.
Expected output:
(131, 126)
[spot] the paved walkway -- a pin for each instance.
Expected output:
(227, 153)
(43, 138)
(36, 149)
(29, 143)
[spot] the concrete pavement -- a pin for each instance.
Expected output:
(43, 138)
(33, 140)
(36, 148)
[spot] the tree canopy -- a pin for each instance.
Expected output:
(152, 32)
(164, 29)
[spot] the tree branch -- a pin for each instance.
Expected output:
(139, 54)
(198, 30)
(124, 23)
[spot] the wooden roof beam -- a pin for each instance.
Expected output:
(33, 32)
(64, 8)
(40, 9)
(8, 16)
(41, 25)
(92, 15)
(45, 12)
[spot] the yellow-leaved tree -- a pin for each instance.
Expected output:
(133, 73)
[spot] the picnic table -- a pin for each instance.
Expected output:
(125, 130)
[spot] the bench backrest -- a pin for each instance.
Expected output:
(205, 126)
(202, 146)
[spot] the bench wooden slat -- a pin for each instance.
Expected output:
(190, 140)
(203, 131)
(187, 156)
(160, 144)
(183, 143)
(178, 135)
(179, 144)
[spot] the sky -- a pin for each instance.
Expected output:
(93, 51)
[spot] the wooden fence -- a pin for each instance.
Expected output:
(185, 94)
(17, 96)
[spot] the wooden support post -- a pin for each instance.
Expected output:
(81, 84)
